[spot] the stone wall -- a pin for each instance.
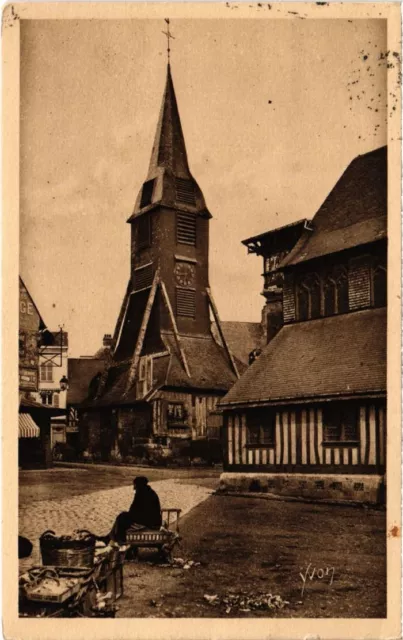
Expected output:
(353, 488)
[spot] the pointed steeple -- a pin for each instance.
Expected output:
(169, 150)
(169, 181)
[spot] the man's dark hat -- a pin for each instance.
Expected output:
(140, 481)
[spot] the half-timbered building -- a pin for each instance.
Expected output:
(166, 370)
(34, 418)
(308, 417)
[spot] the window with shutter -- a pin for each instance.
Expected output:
(186, 228)
(186, 302)
(143, 277)
(185, 191)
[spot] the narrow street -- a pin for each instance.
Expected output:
(239, 546)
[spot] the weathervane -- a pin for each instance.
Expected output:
(169, 35)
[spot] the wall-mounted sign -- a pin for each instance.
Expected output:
(28, 380)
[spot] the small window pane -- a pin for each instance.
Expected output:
(253, 435)
(380, 287)
(340, 423)
(260, 427)
(342, 294)
(349, 420)
(330, 297)
(303, 302)
(267, 434)
(315, 299)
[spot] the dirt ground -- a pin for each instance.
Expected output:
(256, 546)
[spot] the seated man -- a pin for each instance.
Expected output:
(145, 512)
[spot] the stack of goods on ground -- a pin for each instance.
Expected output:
(79, 576)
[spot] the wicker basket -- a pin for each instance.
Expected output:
(61, 552)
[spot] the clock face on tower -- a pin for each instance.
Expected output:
(184, 274)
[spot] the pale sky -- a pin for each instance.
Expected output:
(268, 123)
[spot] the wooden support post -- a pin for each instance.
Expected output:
(175, 328)
(220, 331)
(121, 318)
(142, 333)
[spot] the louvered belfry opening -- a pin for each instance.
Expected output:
(186, 228)
(185, 302)
(143, 277)
(185, 191)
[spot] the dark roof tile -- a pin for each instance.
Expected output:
(241, 337)
(80, 372)
(344, 354)
(208, 364)
(354, 213)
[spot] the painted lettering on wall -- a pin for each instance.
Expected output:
(27, 307)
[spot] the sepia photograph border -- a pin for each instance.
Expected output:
(203, 628)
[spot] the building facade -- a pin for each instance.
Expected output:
(309, 415)
(51, 391)
(34, 429)
(166, 370)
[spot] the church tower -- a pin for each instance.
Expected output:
(170, 226)
(166, 371)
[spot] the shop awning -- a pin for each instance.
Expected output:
(27, 427)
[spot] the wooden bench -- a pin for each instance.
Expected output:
(163, 539)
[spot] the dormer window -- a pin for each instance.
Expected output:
(147, 193)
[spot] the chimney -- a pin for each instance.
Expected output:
(272, 312)
(107, 341)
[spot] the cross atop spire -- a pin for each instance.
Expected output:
(169, 35)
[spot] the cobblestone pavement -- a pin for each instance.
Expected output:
(97, 511)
